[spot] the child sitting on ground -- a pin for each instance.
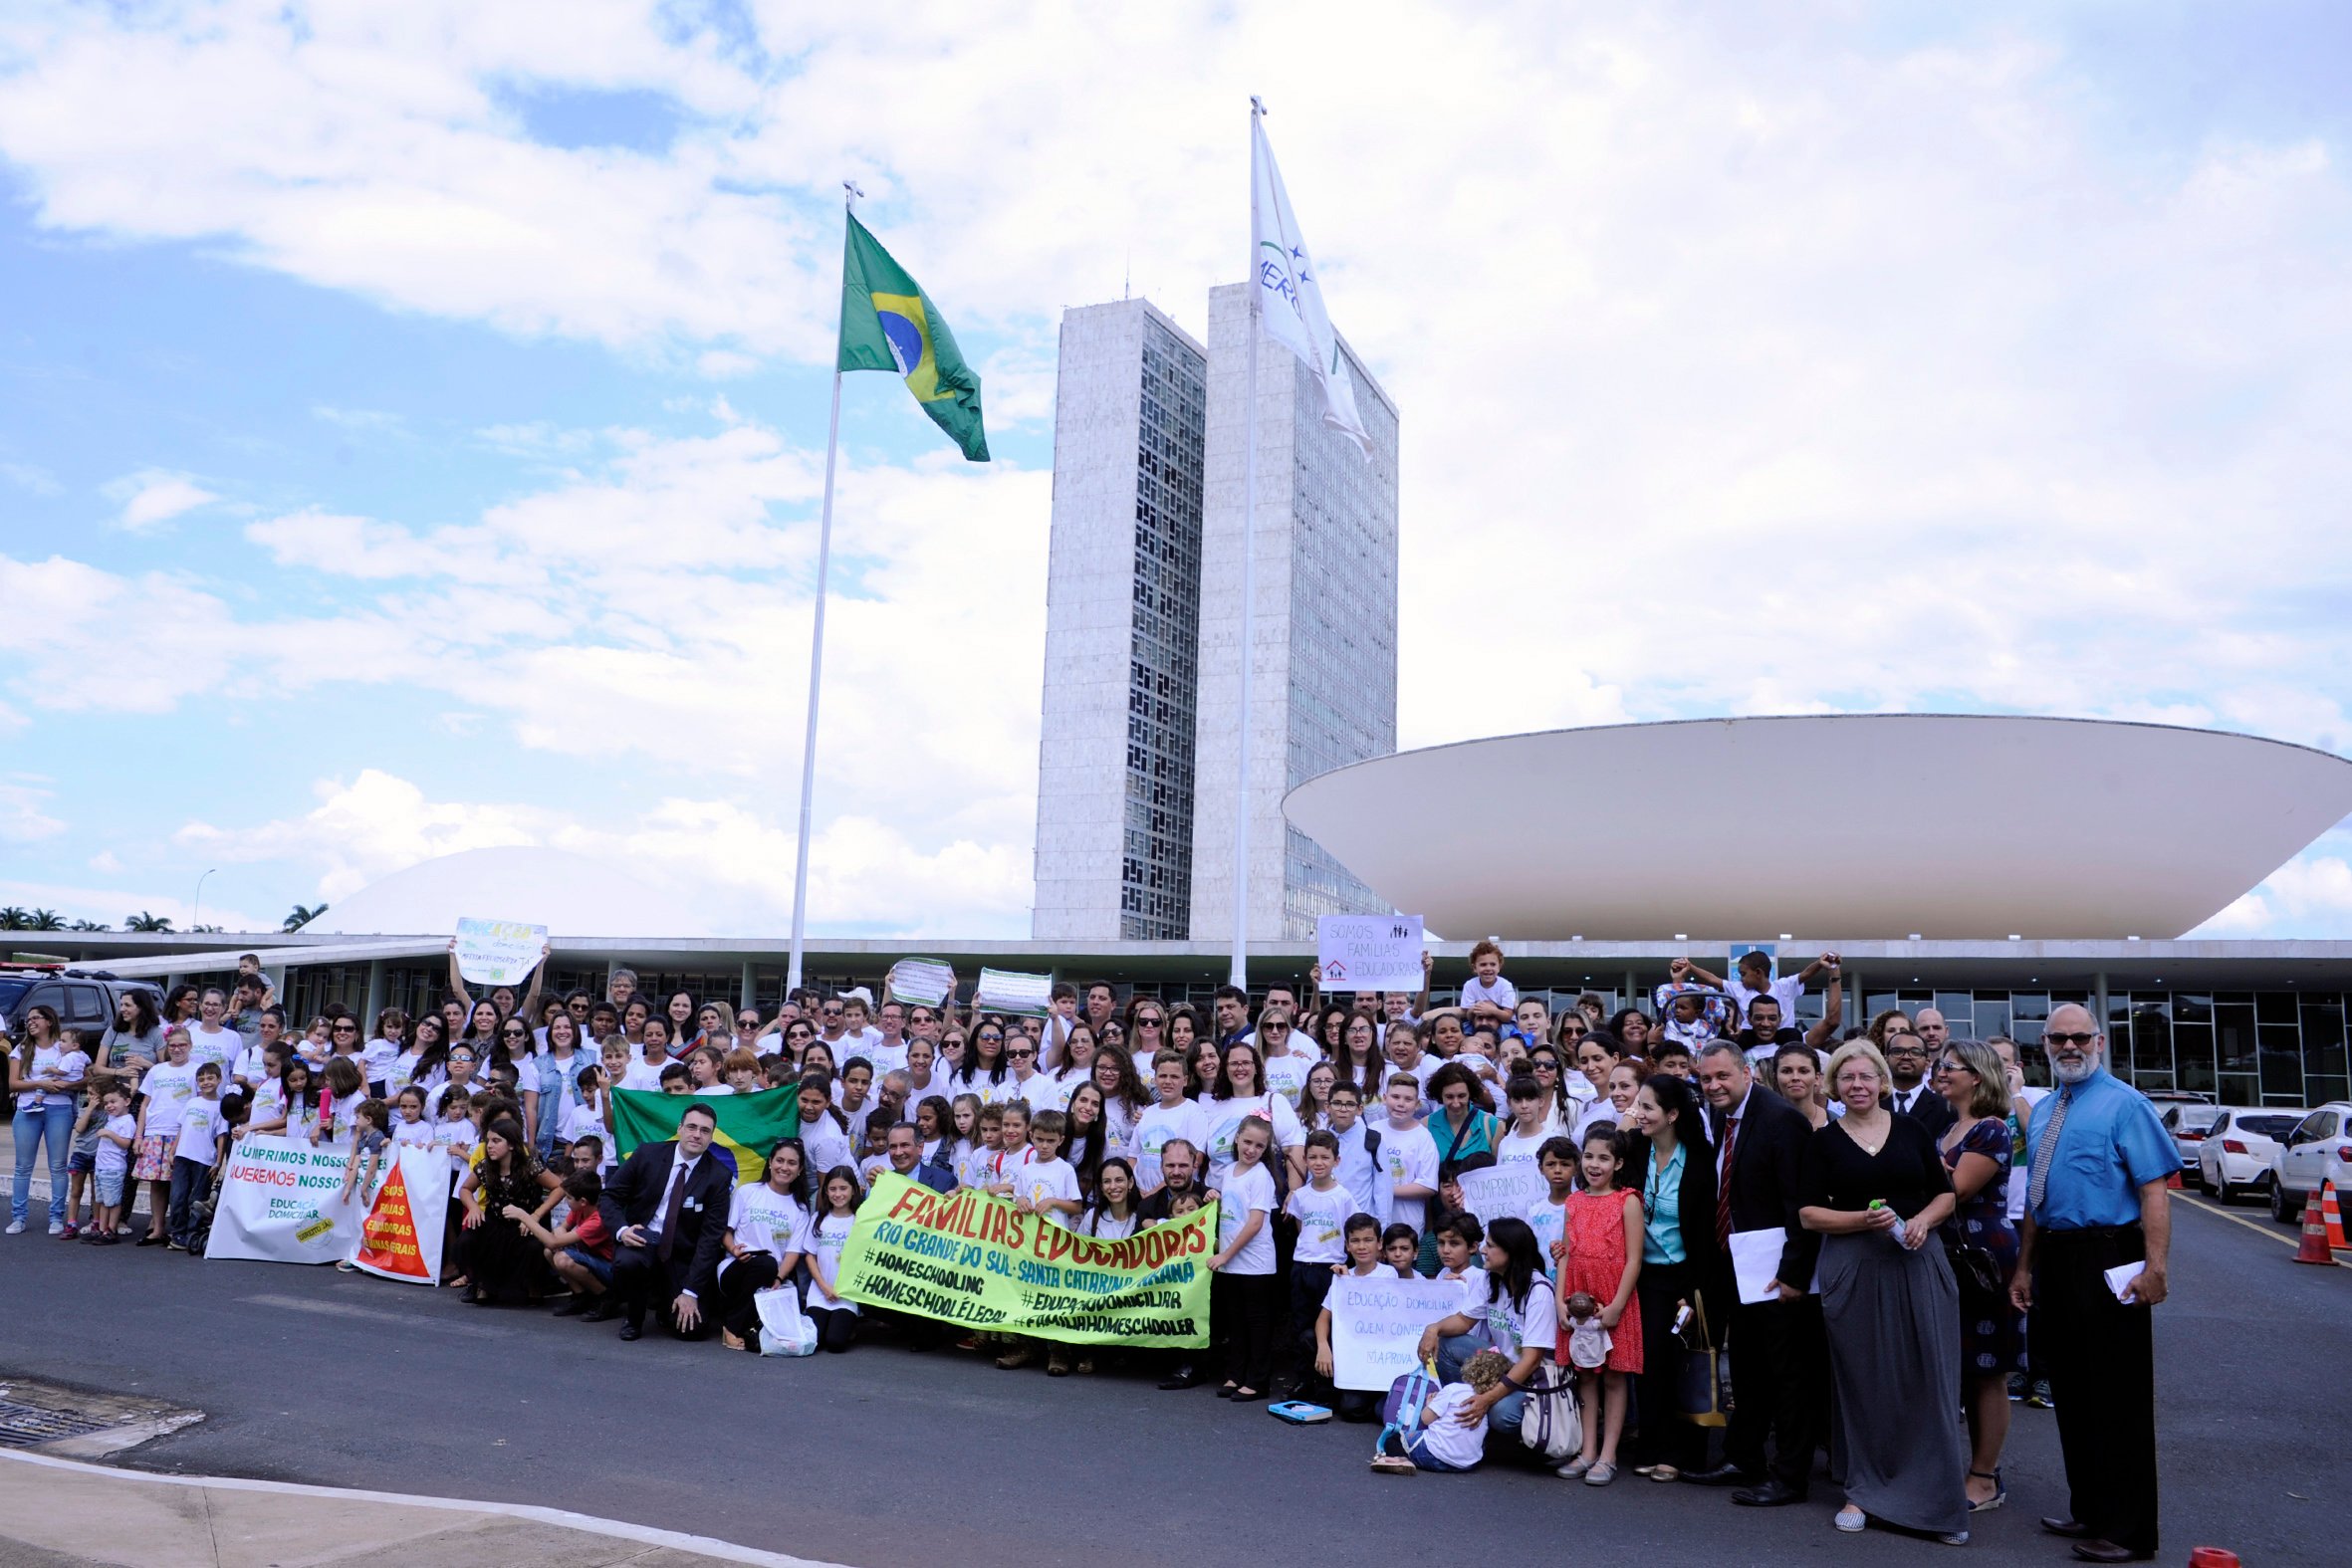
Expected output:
(1440, 1439)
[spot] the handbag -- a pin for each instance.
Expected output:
(784, 1330)
(1704, 1388)
(1981, 1290)
(1550, 1422)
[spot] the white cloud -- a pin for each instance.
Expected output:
(23, 817)
(733, 859)
(1829, 375)
(152, 495)
(105, 861)
(31, 476)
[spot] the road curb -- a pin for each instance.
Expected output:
(617, 1529)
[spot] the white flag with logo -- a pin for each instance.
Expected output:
(1290, 290)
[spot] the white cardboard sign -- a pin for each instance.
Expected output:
(1376, 1327)
(1370, 952)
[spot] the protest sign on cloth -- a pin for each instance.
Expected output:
(281, 1201)
(968, 1259)
(925, 981)
(1009, 991)
(497, 952)
(1501, 1191)
(401, 1236)
(1370, 952)
(749, 1124)
(1376, 1327)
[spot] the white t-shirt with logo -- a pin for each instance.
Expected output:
(1322, 1222)
(1157, 1127)
(114, 1158)
(199, 1132)
(1225, 1118)
(1040, 1180)
(1408, 1158)
(168, 1090)
(823, 1239)
(1515, 1146)
(763, 1220)
(1240, 1195)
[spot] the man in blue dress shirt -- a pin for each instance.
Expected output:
(2095, 1199)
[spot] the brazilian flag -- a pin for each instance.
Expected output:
(749, 1124)
(889, 324)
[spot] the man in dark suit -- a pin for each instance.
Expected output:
(666, 1208)
(1915, 1093)
(1780, 1356)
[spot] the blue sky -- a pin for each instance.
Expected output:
(410, 418)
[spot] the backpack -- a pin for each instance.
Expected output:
(1400, 1406)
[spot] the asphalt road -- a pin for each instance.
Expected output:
(882, 1457)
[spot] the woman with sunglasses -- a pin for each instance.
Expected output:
(1147, 1031)
(985, 1070)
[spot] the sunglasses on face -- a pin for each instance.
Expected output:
(2069, 1039)
(1021, 1054)
(460, 1058)
(346, 1028)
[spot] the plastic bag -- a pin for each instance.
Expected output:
(784, 1330)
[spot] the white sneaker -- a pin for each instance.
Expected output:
(57, 1227)
(16, 1228)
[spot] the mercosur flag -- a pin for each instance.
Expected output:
(889, 324)
(1290, 294)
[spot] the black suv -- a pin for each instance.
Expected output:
(83, 998)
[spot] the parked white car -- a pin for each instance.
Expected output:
(2318, 1149)
(2189, 1121)
(2235, 1157)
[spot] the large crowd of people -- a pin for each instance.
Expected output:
(1871, 1241)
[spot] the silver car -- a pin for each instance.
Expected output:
(2234, 1159)
(2189, 1121)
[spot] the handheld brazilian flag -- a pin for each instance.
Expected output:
(749, 1124)
(889, 324)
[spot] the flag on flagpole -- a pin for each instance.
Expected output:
(1290, 290)
(889, 324)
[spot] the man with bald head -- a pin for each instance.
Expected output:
(2097, 1163)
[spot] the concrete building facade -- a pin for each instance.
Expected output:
(1324, 666)
(1116, 746)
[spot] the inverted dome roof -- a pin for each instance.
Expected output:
(573, 895)
(1856, 825)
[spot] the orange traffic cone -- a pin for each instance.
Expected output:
(2331, 1214)
(2212, 1557)
(2315, 1247)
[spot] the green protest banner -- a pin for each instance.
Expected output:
(968, 1259)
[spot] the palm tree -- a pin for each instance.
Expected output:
(302, 915)
(89, 925)
(142, 921)
(12, 919)
(45, 920)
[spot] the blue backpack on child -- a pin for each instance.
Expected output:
(1400, 1414)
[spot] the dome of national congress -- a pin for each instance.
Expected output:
(573, 895)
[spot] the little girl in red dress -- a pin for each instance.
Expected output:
(1604, 1225)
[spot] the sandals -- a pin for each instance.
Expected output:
(1573, 1469)
(1600, 1474)
(1244, 1396)
(1658, 1472)
(2001, 1490)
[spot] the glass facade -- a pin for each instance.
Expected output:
(1163, 667)
(1342, 651)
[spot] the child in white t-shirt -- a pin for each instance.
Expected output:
(1487, 997)
(456, 1133)
(202, 1135)
(1408, 1155)
(823, 1235)
(1547, 1215)
(1440, 1439)
(117, 1132)
(1170, 1117)
(408, 1124)
(1362, 1244)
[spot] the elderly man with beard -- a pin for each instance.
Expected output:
(2096, 1200)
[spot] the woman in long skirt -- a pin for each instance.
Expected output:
(1876, 1188)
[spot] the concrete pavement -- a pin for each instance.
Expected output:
(879, 1457)
(60, 1514)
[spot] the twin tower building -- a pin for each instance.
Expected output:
(1139, 752)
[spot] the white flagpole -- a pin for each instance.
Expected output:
(1241, 799)
(825, 556)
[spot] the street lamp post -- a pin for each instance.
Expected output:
(196, 905)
